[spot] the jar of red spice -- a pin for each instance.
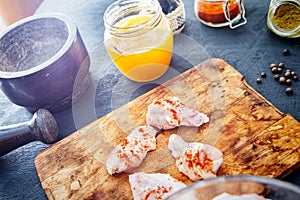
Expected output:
(219, 13)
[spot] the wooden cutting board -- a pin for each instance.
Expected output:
(253, 135)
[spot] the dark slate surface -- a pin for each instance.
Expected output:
(250, 49)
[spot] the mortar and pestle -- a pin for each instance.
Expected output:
(41, 56)
(44, 67)
(42, 127)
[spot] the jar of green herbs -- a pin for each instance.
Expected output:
(284, 18)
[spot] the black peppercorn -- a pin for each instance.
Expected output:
(289, 90)
(274, 70)
(282, 80)
(281, 65)
(273, 65)
(287, 74)
(295, 78)
(279, 70)
(286, 52)
(264, 74)
(293, 73)
(276, 77)
(288, 81)
(258, 80)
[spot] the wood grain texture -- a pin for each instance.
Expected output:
(253, 135)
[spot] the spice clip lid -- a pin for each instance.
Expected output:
(234, 23)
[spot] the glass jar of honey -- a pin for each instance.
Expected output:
(219, 13)
(284, 18)
(139, 39)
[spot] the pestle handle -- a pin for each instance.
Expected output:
(42, 127)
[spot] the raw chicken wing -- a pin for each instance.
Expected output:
(153, 186)
(195, 159)
(131, 151)
(168, 113)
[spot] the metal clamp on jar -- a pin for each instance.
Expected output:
(284, 18)
(219, 13)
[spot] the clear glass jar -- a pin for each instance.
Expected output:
(139, 38)
(219, 13)
(284, 18)
(175, 12)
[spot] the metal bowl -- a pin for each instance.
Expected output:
(41, 56)
(238, 185)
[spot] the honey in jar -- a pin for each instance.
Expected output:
(138, 38)
(219, 13)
